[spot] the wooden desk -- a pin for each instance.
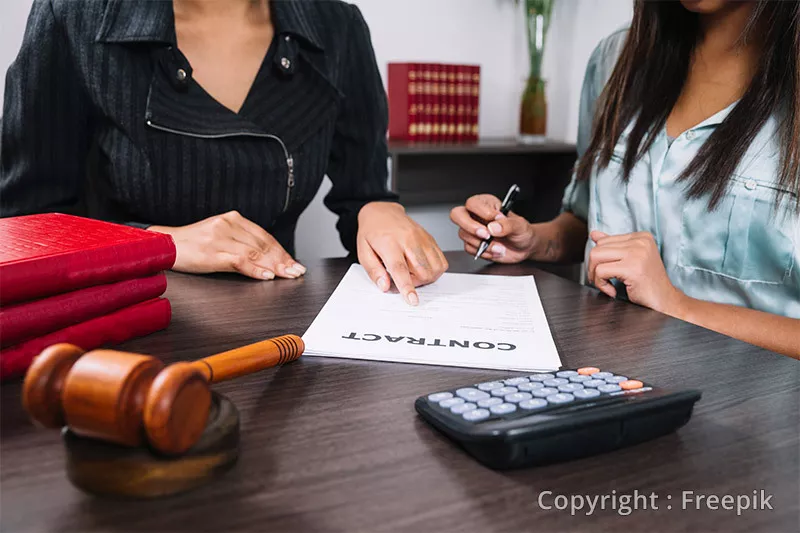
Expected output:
(335, 445)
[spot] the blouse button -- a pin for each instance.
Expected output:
(180, 75)
(750, 185)
(287, 38)
(690, 135)
(285, 63)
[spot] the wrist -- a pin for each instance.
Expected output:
(679, 306)
(545, 242)
(377, 207)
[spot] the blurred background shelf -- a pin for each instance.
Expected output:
(428, 174)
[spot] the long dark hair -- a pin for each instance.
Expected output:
(649, 76)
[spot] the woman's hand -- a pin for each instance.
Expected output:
(230, 243)
(633, 258)
(513, 236)
(392, 247)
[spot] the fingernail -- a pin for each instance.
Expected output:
(482, 233)
(268, 275)
(500, 216)
(300, 267)
(412, 298)
(383, 284)
(495, 228)
(292, 271)
(498, 250)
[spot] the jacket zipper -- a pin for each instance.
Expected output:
(290, 181)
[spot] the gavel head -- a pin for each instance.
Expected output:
(120, 397)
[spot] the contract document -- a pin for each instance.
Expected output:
(466, 320)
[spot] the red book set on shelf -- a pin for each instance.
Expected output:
(433, 102)
(70, 279)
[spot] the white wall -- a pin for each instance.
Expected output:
(486, 32)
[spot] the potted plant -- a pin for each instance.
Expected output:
(533, 108)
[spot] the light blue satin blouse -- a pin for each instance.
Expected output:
(745, 252)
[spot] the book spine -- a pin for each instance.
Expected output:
(427, 103)
(415, 102)
(28, 320)
(120, 326)
(462, 102)
(451, 103)
(436, 94)
(475, 95)
(29, 280)
(399, 94)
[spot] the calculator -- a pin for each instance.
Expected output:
(549, 417)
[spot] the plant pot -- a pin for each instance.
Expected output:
(533, 111)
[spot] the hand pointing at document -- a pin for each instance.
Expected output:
(394, 248)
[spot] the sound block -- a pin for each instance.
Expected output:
(103, 468)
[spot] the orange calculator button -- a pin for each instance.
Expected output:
(631, 384)
(588, 371)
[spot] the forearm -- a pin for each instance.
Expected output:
(773, 332)
(561, 240)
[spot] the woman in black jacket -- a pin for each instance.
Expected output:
(214, 121)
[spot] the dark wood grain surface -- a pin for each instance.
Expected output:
(335, 445)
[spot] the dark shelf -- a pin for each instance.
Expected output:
(498, 145)
(439, 173)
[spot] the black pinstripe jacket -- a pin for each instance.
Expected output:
(96, 91)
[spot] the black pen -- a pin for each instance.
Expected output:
(505, 207)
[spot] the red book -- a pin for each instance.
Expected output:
(28, 320)
(436, 92)
(134, 321)
(43, 255)
(462, 101)
(451, 103)
(475, 92)
(403, 101)
(426, 121)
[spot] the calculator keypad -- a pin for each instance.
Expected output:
(515, 396)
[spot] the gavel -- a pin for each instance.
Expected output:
(132, 399)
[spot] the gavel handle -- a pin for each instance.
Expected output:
(251, 358)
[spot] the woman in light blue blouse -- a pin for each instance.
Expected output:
(688, 183)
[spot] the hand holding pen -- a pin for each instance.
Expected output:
(485, 218)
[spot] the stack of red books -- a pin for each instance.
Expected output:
(71, 279)
(433, 102)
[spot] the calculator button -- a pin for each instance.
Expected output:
(631, 384)
(513, 382)
(503, 391)
(608, 387)
(580, 378)
(439, 396)
(586, 393)
(543, 392)
(488, 402)
(535, 403)
(471, 395)
(450, 402)
(570, 387)
(528, 387)
(634, 391)
(463, 408)
(540, 377)
(490, 385)
(555, 382)
(560, 398)
(602, 375)
(503, 408)
(475, 415)
(566, 374)
(616, 379)
(594, 383)
(517, 397)
(588, 371)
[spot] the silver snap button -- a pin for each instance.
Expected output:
(750, 185)
(285, 63)
(287, 38)
(690, 135)
(181, 74)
